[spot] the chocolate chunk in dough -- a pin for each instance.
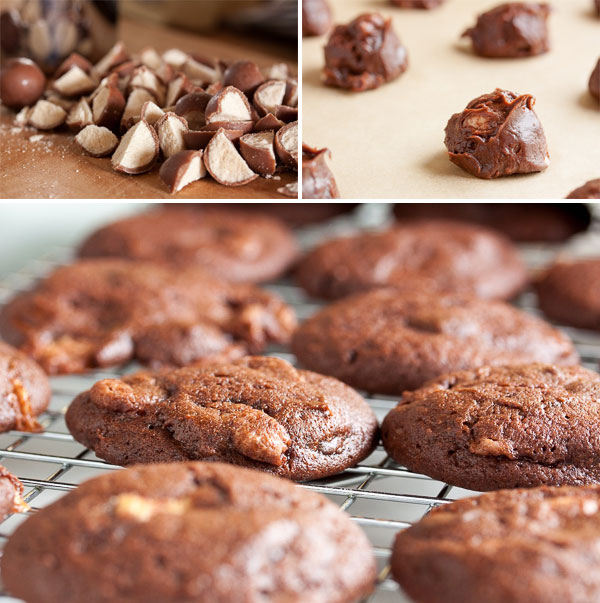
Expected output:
(594, 84)
(316, 17)
(511, 30)
(364, 54)
(317, 180)
(427, 4)
(498, 134)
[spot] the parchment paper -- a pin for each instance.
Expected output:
(389, 143)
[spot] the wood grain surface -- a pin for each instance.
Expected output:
(54, 166)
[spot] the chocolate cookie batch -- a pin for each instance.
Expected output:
(491, 398)
(498, 133)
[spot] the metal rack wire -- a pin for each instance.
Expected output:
(379, 495)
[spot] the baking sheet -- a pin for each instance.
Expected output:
(389, 143)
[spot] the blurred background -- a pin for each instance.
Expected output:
(49, 30)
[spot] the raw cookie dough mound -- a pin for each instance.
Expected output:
(189, 532)
(24, 390)
(511, 30)
(590, 190)
(594, 84)
(106, 312)
(523, 222)
(318, 181)
(364, 54)
(501, 427)
(316, 17)
(258, 412)
(387, 341)
(498, 134)
(11, 492)
(426, 4)
(570, 292)
(523, 546)
(231, 245)
(438, 255)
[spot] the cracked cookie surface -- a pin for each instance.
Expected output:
(233, 245)
(501, 427)
(24, 390)
(257, 412)
(434, 254)
(388, 341)
(201, 532)
(105, 312)
(11, 494)
(525, 546)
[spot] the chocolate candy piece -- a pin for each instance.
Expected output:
(427, 4)
(594, 84)
(597, 4)
(21, 84)
(514, 29)
(317, 180)
(316, 17)
(590, 190)
(364, 54)
(498, 134)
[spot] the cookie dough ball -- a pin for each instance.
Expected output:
(594, 84)
(524, 546)
(498, 134)
(426, 4)
(317, 180)
(590, 190)
(364, 54)
(316, 17)
(511, 30)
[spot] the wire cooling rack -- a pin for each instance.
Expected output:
(379, 495)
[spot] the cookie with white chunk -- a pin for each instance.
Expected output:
(258, 412)
(189, 532)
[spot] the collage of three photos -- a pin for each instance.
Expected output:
(299, 301)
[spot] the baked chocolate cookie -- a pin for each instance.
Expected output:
(189, 532)
(293, 214)
(105, 312)
(316, 17)
(24, 390)
(501, 427)
(439, 255)
(511, 30)
(590, 190)
(387, 341)
(229, 244)
(258, 412)
(523, 222)
(524, 546)
(11, 494)
(569, 292)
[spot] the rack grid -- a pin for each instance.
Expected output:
(378, 494)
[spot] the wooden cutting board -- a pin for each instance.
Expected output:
(54, 167)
